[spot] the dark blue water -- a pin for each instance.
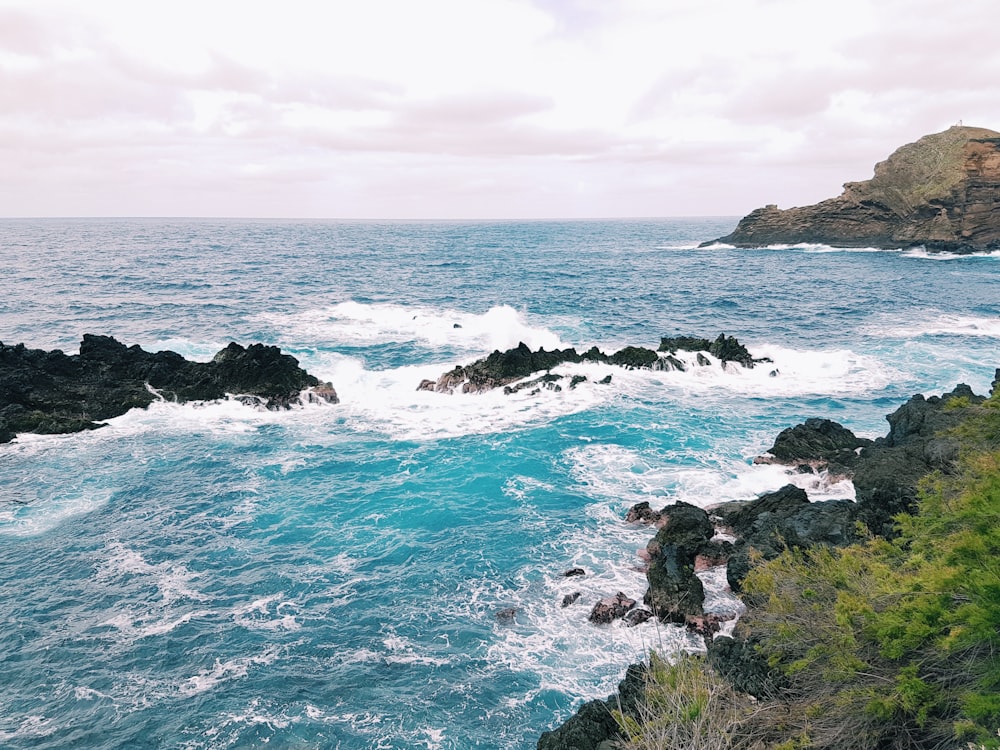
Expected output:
(210, 576)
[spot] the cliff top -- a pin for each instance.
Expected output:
(919, 172)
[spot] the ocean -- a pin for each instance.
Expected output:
(212, 576)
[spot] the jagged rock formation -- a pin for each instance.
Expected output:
(52, 392)
(675, 592)
(780, 520)
(922, 438)
(593, 726)
(941, 192)
(501, 369)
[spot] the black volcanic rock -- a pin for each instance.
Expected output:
(51, 392)
(816, 444)
(888, 471)
(940, 192)
(675, 592)
(784, 519)
(593, 726)
(501, 369)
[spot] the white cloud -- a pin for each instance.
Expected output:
(461, 108)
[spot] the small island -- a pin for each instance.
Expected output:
(940, 193)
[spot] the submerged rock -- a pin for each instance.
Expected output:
(52, 392)
(940, 192)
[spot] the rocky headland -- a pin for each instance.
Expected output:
(941, 192)
(50, 392)
(505, 369)
(927, 437)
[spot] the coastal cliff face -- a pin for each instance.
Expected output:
(941, 192)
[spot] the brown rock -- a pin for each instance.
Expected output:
(941, 192)
(611, 608)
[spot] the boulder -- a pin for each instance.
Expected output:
(570, 599)
(642, 513)
(611, 608)
(783, 519)
(674, 590)
(817, 444)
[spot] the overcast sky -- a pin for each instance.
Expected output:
(473, 108)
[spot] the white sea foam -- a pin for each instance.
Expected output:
(401, 650)
(719, 599)
(31, 519)
(558, 643)
(172, 580)
(388, 402)
(83, 693)
(268, 613)
(147, 624)
(355, 323)
(816, 247)
(924, 254)
(625, 477)
(229, 669)
(32, 727)
(939, 325)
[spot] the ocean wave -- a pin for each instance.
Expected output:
(387, 401)
(359, 324)
(627, 476)
(24, 519)
(923, 253)
(225, 670)
(941, 325)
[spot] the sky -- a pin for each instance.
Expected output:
(474, 109)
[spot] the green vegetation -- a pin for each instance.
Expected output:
(884, 645)
(688, 706)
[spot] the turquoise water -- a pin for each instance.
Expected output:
(210, 576)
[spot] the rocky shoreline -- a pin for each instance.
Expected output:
(885, 473)
(49, 392)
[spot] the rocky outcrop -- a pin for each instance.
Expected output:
(51, 392)
(887, 472)
(593, 726)
(781, 520)
(725, 348)
(921, 439)
(675, 592)
(502, 369)
(819, 444)
(941, 192)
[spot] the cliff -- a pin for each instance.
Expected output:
(941, 192)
